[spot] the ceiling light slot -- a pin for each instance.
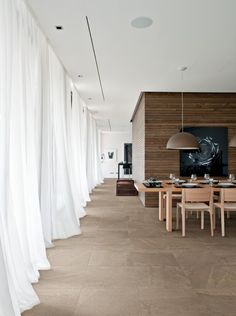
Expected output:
(95, 57)
(59, 27)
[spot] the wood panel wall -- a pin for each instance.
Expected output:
(162, 119)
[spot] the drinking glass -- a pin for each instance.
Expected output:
(206, 176)
(211, 181)
(231, 177)
(172, 177)
(177, 180)
(193, 177)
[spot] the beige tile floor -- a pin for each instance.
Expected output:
(126, 264)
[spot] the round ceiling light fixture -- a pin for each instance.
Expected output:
(59, 27)
(141, 22)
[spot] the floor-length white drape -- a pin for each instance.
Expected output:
(47, 167)
(47, 197)
(98, 156)
(17, 218)
(8, 298)
(57, 205)
(75, 136)
(29, 98)
(93, 161)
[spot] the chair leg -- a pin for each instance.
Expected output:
(202, 219)
(183, 222)
(164, 207)
(161, 206)
(228, 215)
(214, 219)
(212, 224)
(177, 217)
(222, 222)
(197, 214)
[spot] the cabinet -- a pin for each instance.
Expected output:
(125, 187)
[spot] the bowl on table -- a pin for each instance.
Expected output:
(152, 183)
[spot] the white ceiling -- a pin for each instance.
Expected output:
(198, 33)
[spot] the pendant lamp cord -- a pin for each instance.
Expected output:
(182, 102)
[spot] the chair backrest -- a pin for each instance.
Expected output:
(197, 195)
(228, 195)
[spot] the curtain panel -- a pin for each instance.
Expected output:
(48, 155)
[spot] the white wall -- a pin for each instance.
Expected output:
(113, 140)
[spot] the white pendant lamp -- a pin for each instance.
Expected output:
(232, 143)
(183, 140)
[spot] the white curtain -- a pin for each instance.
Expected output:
(22, 245)
(47, 168)
(59, 211)
(8, 298)
(65, 220)
(99, 161)
(93, 152)
(75, 136)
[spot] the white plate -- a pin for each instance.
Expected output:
(208, 182)
(226, 184)
(189, 185)
(204, 181)
(180, 181)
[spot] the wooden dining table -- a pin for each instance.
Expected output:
(168, 189)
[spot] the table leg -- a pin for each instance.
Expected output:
(169, 211)
(161, 206)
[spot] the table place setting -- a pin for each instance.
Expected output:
(225, 185)
(210, 181)
(229, 183)
(152, 183)
(187, 185)
(174, 180)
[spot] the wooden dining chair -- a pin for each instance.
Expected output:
(227, 204)
(198, 200)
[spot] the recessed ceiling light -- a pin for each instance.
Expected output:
(80, 76)
(182, 68)
(141, 22)
(59, 27)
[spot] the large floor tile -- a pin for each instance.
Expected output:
(173, 306)
(108, 302)
(108, 258)
(125, 264)
(159, 258)
(55, 303)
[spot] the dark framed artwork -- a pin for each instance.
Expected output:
(128, 157)
(212, 157)
(128, 152)
(110, 155)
